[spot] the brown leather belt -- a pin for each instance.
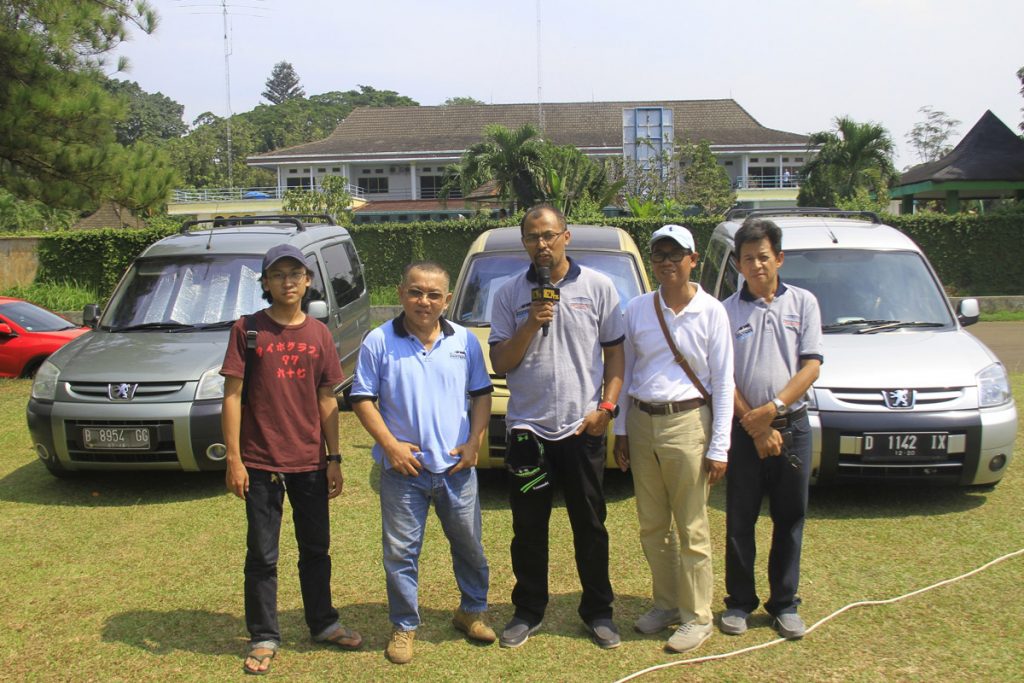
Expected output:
(670, 408)
(786, 420)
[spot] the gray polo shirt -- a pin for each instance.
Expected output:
(770, 340)
(559, 379)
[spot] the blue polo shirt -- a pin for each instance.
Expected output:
(422, 395)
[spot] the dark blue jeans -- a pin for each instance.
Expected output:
(576, 464)
(749, 480)
(307, 493)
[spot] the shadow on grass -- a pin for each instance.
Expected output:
(214, 633)
(31, 483)
(868, 501)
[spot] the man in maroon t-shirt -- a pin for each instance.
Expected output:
(276, 445)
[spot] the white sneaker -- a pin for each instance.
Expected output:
(689, 636)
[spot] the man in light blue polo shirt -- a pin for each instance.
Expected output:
(410, 392)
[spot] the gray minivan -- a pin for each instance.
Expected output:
(905, 392)
(142, 390)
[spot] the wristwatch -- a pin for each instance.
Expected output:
(611, 408)
(334, 457)
(780, 407)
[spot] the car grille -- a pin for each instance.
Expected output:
(875, 398)
(496, 437)
(946, 469)
(145, 391)
(163, 431)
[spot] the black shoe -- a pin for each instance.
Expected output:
(517, 631)
(604, 633)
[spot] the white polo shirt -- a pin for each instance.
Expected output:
(701, 333)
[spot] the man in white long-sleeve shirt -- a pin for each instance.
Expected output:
(675, 434)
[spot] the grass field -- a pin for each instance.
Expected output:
(138, 577)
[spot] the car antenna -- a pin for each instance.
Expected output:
(210, 239)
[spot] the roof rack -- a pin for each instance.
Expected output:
(295, 219)
(802, 211)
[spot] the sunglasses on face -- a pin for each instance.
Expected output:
(296, 276)
(674, 256)
(548, 237)
(417, 294)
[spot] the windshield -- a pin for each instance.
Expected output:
(488, 272)
(169, 293)
(34, 319)
(858, 287)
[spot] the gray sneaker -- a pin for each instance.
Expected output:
(516, 632)
(733, 622)
(689, 636)
(789, 625)
(655, 620)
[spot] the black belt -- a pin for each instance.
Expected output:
(670, 408)
(787, 419)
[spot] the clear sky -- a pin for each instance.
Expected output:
(792, 64)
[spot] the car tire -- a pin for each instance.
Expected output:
(54, 467)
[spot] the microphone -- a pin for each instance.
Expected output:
(544, 291)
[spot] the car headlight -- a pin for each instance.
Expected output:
(993, 386)
(211, 385)
(44, 386)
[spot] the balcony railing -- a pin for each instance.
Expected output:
(230, 194)
(768, 182)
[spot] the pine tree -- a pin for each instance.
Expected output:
(283, 84)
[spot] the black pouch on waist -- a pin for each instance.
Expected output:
(525, 461)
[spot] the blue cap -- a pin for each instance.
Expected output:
(282, 251)
(676, 233)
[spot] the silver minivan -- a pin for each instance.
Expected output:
(905, 393)
(142, 390)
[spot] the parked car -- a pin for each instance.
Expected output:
(497, 256)
(905, 393)
(143, 390)
(28, 334)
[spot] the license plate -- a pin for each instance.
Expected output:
(906, 444)
(135, 438)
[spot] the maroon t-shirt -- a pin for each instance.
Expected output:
(281, 420)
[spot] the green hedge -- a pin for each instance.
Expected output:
(974, 255)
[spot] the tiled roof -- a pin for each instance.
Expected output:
(408, 132)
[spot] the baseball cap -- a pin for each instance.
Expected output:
(281, 251)
(676, 233)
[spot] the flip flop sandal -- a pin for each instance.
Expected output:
(260, 659)
(345, 638)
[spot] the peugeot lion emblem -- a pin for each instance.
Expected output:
(121, 392)
(899, 399)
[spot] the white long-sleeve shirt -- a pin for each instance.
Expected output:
(701, 333)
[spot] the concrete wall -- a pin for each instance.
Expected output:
(18, 261)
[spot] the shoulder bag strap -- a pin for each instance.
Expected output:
(250, 354)
(675, 352)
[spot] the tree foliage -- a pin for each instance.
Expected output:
(283, 84)
(571, 179)
(148, 117)
(706, 183)
(513, 159)
(683, 178)
(1020, 77)
(461, 101)
(930, 138)
(57, 135)
(853, 157)
(331, 197)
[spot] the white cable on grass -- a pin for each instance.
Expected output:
(889, 601)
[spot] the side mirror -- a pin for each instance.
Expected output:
(90, 315)
(968, 312)
(6, 331)
(318, 310)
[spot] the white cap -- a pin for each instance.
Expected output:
(676, 233)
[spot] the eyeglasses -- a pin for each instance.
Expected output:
(296, 276)
(417, 294)
(674, 257)
(548, 237)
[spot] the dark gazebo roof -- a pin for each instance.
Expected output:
(990, 151)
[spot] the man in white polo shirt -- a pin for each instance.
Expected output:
(673, 431)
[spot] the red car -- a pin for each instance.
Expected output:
(28, 334)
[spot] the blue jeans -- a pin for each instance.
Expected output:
(404, 503)
(307, 493)
(750, 479)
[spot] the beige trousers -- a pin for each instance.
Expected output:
(667, 458)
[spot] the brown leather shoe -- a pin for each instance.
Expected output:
(474, 625)
(399, 649)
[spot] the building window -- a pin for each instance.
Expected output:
(302, 182)
(373, 185)
(430, 185)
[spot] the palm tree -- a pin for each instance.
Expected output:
(511, 158)
(853, 158)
